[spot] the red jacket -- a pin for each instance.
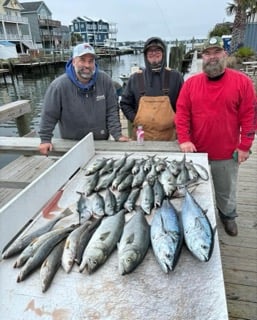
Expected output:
(217, 115)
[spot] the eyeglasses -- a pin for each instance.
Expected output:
(151, 52)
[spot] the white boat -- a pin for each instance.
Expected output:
(124, 77)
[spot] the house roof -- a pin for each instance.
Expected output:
(32, 6)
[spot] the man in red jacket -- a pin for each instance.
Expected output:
(215, 115)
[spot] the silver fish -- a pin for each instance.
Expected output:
(159, 193)
(126, 183)
(97, 204)
(50, 266)
(42, 252)
(84, 239)
(198, 233)
(137, 165)
(117, 180)
(166, 236)
(147, 198)
(168, 180)
(107, 168)
(119, 163)
(121, 199)
(20, 243)
(109, 203)
(91, 183)
(134, 243)
(132, 198)
(139, 178)
(129, 164)
(203, 173)
(71, 245)
(95, 166)
(105, 181)
(103, 242)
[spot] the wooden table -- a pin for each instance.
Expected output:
(195, 290)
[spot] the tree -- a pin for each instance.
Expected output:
(243, 11)
(76, 38)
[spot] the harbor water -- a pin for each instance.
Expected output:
(32, 86)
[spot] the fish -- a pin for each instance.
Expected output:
(71, 245)
(132, 198)
(119, 163)
(50, 266)
(103, 242)
(91, 183)
(109, 203)
(203, 173)
(105, 181)
(121, 198)
(166, 236)
(107, 168)
(198, 232)
(85, 237)
(159, 193)
(147, 198)
(95, 166)
(139, 178)
(42, 252)
(126, 183)
(22, 242)
(134, 242)
(137, 165)
(97, 204)
(117, 180)
(168, 181)
(128, 165)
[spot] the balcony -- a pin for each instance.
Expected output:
(14, 19)
(49, 23)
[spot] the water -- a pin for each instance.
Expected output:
(33, 87)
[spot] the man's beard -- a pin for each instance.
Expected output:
(85, 75)
(214, 68)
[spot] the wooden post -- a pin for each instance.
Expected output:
(23, 125)
(17, 110)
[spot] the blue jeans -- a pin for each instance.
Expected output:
(225, 175)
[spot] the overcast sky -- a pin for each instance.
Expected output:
(141, 19)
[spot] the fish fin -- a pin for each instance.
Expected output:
(104, 236)
(130, 238)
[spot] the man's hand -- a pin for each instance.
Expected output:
(44, 148)
(242, 155)
(187, 147)
(124, 139)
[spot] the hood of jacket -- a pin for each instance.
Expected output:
(156, 42)
(70, 71)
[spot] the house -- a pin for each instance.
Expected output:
(95, 31)
(46, 32)
(14, 28)
(250, 39)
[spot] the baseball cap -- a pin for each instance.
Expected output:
(154, 44)
(83, 48)
(213, 42)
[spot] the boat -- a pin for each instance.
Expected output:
(124, 77)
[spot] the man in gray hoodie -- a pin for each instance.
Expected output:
(150, 96)
(82, 100)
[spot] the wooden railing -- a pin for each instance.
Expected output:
(18, 111)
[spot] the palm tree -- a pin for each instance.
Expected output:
(243, 11)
